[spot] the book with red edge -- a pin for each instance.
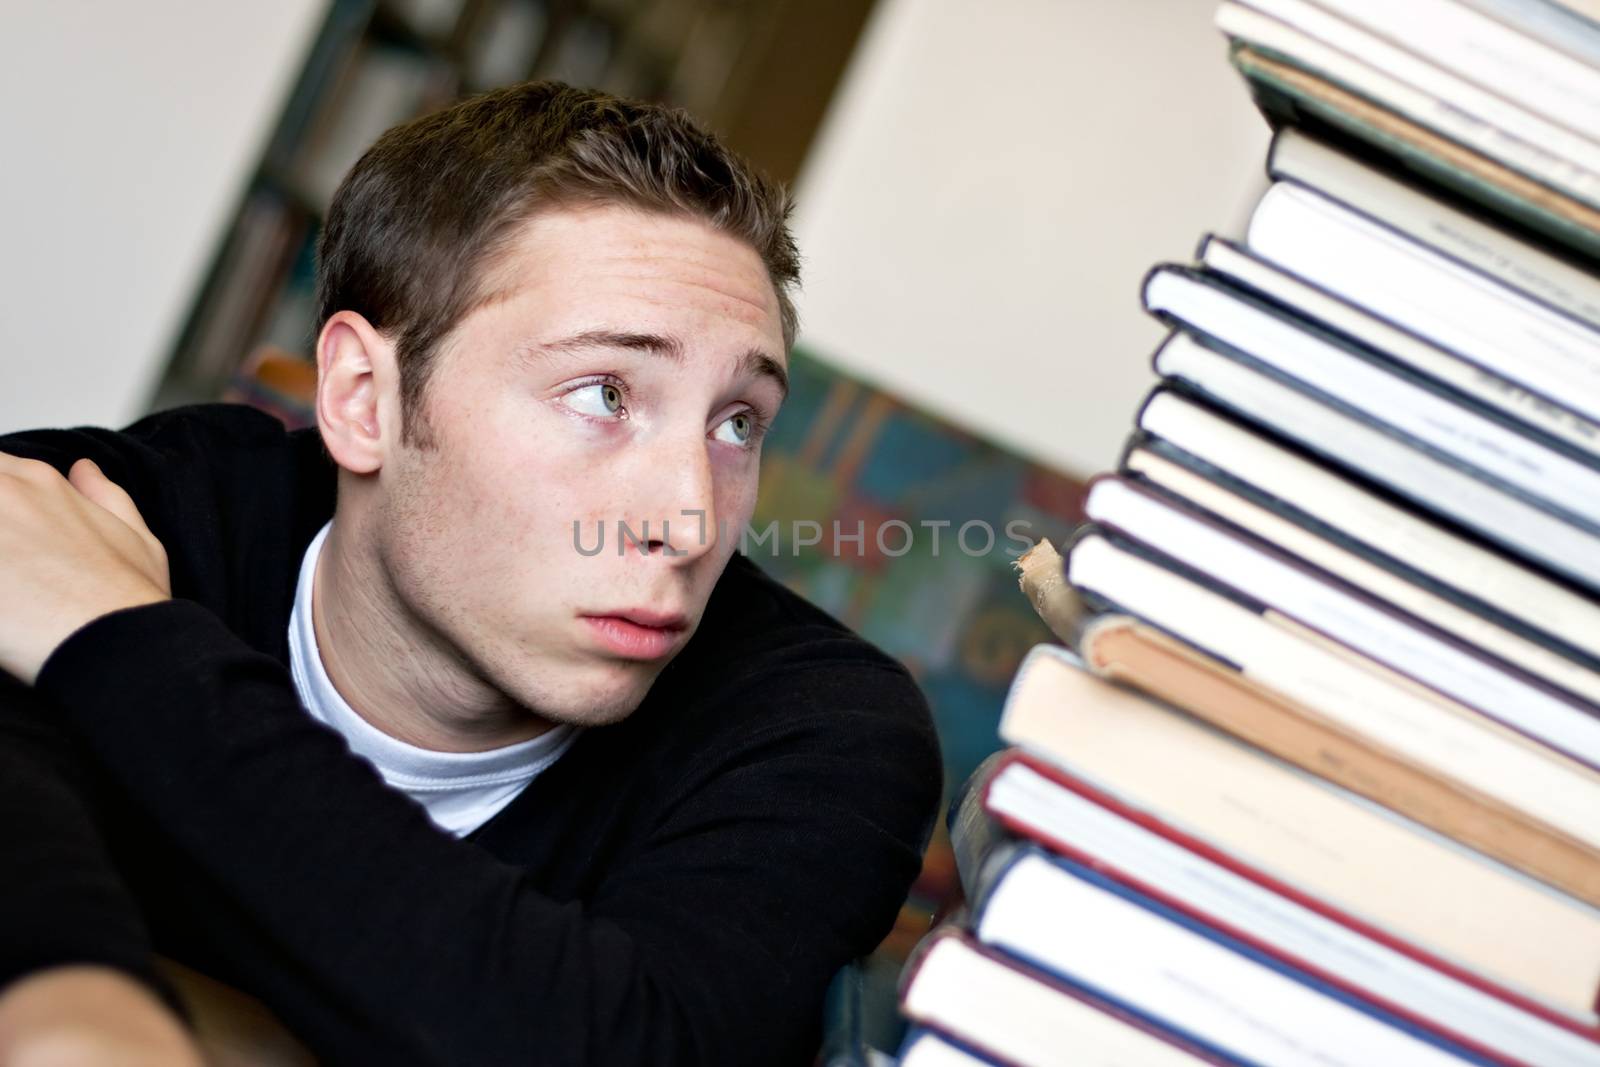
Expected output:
(1138, 850)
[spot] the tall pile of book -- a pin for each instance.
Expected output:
(1314, 780)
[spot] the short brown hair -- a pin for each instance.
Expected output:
(419, 221)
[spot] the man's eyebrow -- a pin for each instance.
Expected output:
(754, 362)
(657, 344)
(762, 365)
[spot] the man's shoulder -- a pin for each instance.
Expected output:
(232, 494)
(238, 424)
(197, 428)
(168, 454)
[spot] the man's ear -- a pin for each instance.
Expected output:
(357, 393)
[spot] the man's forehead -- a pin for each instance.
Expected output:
(619, 251)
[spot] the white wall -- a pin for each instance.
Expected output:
(128, 132)
(991, 184)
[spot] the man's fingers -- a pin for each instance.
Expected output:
(91, 482)
(87, 478)
(71, 549)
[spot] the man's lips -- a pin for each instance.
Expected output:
(638, 633)
(656, 620)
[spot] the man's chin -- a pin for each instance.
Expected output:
(606, 693)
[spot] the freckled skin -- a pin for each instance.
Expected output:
(485, 588)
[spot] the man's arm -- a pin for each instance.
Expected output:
(77, 982)
(400, 943)
(712, 943)
(61, 898)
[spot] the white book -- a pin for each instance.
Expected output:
(1440, 364)
(1553, 480)
(1405, 66)
(1485, 53)
(1297, 156)
(1379, 582)
(1578, 178)
(1573, 26)
(1454, 307)
(1462, 566)
(1354, 444)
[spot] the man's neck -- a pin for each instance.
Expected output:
(400, 676)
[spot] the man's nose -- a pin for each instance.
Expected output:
(684, 523)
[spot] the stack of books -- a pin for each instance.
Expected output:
(1317, 778)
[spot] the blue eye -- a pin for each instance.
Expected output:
(599, 400)
(741, 425)
(743, 428)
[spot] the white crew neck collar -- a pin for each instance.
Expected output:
(447, 780)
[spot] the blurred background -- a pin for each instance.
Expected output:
(981, 187)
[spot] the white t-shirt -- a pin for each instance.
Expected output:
(460, 790)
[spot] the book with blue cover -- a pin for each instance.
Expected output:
(1114, 942)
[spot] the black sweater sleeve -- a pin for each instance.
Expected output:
(63, 900)
(711, 943)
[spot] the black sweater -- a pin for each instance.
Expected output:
(678, 888)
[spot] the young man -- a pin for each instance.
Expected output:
(655, 799)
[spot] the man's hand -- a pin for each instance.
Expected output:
(89, 1016)
(71, 549)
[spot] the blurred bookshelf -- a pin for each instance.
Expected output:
(759, 72)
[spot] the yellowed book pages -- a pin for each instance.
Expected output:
(1135, 654)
